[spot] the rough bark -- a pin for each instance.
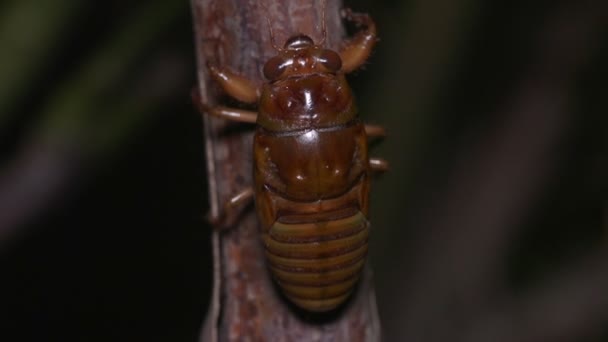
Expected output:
(245, 303)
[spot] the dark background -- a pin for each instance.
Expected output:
(102, 176)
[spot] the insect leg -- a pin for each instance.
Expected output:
(378, 165)
(375, 131)
(227, 113)
(229, 209)
(237, 86)
(358, 49)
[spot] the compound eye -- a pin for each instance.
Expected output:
(331, 60)
(274, 68)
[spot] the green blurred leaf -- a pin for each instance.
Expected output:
(73, 113)
(29, 29)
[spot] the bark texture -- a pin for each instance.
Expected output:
(246, 305)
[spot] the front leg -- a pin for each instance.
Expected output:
(227, 113)
(237, 86)
(357, 50)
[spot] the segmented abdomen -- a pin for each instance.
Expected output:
(317, 263)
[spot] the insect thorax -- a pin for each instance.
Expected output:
(311, 101)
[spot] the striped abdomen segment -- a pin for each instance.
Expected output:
(317, 264)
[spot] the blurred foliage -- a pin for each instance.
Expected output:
(122, 253)
(118, 253)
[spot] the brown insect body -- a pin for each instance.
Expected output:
(311, 175)
(311, 167)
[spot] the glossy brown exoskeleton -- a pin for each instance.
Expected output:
(311, 166)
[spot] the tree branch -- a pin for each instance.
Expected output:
(245, 302)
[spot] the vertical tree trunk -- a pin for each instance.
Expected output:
(246, 305)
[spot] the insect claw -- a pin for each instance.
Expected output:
(224, 221)
(197, 101)
(345, 12)
(358, 19)
(212, 67)
(218, 223)
(194, 94)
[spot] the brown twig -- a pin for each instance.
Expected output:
(245, 303)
